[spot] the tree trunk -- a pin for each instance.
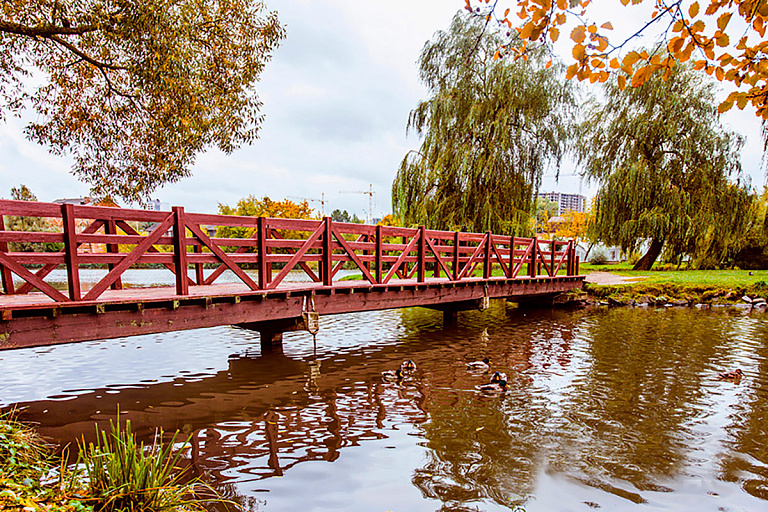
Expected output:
(646, 262)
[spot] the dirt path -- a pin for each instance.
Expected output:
(609, 278)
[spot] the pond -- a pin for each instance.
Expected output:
(613, 409)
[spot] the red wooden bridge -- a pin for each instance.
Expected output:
(400, 267)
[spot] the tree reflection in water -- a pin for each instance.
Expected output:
(614, 406)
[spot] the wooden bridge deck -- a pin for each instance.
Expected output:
(400, 267)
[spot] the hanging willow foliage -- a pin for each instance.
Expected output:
(489, 130)
(669, 173)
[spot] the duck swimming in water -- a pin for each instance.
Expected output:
(494, 387)
(392, 375)
(730, 374)
(408, 366)
(479, 366)
(498, 377)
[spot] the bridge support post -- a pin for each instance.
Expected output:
(271, 331)
(450, 318)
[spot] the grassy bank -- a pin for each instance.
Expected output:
(705, 286)
(117, 473)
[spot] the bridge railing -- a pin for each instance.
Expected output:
(111, 238)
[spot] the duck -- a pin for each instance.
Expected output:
(494, 387)
(408, 366)
(498, 377)
(730, 374)
(392, 375)
(479, 366)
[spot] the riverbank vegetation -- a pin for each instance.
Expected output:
(116, 473)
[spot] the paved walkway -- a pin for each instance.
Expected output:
(609, 278)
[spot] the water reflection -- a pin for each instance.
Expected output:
(605, 408)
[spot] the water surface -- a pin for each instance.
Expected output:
(613, 409)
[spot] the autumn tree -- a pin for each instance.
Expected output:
(724, 38)
(344, 216)
(29, 224)
(668, 172)
(135, 90)
(252, 206)
(488, 131)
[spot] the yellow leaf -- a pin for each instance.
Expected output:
(615, 63)
(549, 64)
(562, 5)
(506, 13)
(607, 25)
(678, 26)
(719, 73)
(578, 34)
(641, 76)
(723, 40)
(631, 58)
(497, 55)
(622, 82)
(759, 26)
(723, 20)
(592, 29)
(571, 71)
(525, 32)
(554, 33)
(742, 100)
(699, 65)
(578, 51)
(560, 18)
(693, 10)
(725, 106)
(624, 2)
(675, 44)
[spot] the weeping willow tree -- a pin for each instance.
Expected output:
(489, 130)
(669, 174)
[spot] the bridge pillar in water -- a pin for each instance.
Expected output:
(271, 331)
(451, 309)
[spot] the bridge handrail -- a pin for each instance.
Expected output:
(106, 236)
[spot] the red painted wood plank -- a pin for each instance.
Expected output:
(32, 278)
(353, 256)
(70, 251)
(296, 258)
(130, 231)
(222, 256)
(5, 273)
(130, 259)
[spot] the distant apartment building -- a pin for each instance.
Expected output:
(566, 202)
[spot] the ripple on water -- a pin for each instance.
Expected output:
(611, 409)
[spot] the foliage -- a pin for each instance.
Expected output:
(753, 247)
(134, 90)
(343, 216)
(251, 206)
(25, 459)
(664, 164)
(123, 475)
(390, 220)
(489, 129)
(598, 257)
(575, 226)
(545, 210)
(30, 224)
(734, 51)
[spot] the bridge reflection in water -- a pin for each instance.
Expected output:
(612, 408)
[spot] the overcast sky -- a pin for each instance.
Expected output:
(336, 96)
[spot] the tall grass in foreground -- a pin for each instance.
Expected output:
(122, 475)
(114, 474)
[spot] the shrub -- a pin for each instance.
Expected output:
(598, 257)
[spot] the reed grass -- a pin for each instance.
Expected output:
(115, 474)
(123, 475)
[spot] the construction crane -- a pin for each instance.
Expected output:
(313, 200)
(369, 193)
